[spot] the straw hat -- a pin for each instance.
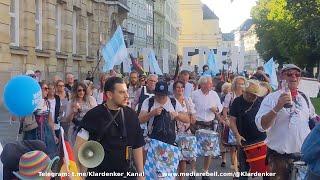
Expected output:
(254, 87)
(33, 162)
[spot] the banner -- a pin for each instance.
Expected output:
(115, 51)
(162, 158)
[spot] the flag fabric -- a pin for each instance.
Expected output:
(176, 73)
(69, 163)
(115, 51)
(188, 145)
(154, 66)
(136, 65)
(212, 64)
(162, 159)
(208, 143)
(270, 68)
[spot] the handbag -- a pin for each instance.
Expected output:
(29, 123)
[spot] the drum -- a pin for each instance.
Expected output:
(188, 145)
(256, 157)
(299, 170)
(207, 142)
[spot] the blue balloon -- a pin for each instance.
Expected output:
(21, 95)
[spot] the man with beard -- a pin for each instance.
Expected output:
(133, 87)
(242, 119)
(116, 127)
(284, 116)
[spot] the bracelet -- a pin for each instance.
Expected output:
(275, 112)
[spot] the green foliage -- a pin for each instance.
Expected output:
(288, 30)
(316, 104)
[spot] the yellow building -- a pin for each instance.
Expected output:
(199, 30)
(54, 36)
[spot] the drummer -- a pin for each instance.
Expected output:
(242, 119)
(207, 104)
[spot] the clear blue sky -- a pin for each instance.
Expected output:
(231, 14)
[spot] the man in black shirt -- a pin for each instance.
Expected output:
(122, 133)
(242, 119)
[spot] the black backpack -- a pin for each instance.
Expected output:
(164, 128)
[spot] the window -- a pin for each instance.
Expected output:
(74, 32)
(38, 24)
(88, 32)
(14, 24)
(58, 27)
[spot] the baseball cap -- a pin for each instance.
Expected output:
(254, 87)
(161, 88)
(290, 66)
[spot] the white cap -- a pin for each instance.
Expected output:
(30, 72)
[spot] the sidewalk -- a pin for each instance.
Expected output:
(8, 129)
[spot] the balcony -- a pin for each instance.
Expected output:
(121, 3)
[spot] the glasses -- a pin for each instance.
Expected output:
(179, 87)
(295, 74)
(81, 90)
(45, 88)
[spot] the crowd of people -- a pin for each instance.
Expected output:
(124, 114)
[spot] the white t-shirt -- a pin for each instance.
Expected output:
(167, 106)
(52, 107)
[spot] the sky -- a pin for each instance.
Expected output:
(231, 15)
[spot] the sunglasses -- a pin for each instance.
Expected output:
(79, 90)
(45, 88)
(295, 74)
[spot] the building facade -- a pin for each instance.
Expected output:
(136, 24)
(159, 22)
(245, 40)
(150, 23)
(171, 31)
(55, 36)
(199, 30)
(251, 57)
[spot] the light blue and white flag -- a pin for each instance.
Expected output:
(154, 66)
(115, 51)
(162, 160)
(270, 68)
(213, 67)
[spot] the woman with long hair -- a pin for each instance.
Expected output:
(237, 89)
(45, 130)
(184, 128)
(79, 105)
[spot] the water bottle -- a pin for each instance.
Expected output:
(285, 89)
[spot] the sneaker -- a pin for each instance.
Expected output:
(223, 164)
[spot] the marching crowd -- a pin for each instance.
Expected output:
(125, 114)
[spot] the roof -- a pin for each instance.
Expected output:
(208, 13)
(227, 36)
(246, 25)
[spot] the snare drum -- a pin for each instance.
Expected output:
(188, 145)
(256, 157)
(207, 142)
(299, 170)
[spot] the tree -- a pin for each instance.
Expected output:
(288, 31)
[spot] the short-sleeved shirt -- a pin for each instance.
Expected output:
(113, 139)
(167, 106)
(246, 120)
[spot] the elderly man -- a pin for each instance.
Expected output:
(207, 103)
(69, 82)
(145, 92)
(286, 128)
